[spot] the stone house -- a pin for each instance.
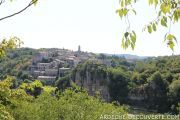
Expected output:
(49, 80)
(43, 66)
(51, 72)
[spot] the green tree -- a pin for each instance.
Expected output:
(11, 43)
(118, 85)
(157, 92)
(174, 89)
(174, 93)
(71, 104)
(4, 114)
(63, 83)
(35, 88)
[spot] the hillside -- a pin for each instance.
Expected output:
(152, 83)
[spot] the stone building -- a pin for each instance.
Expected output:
(43, 66)
(79, 48)
(49, 80)
(37, 73)
(58, 63)
(51, 72)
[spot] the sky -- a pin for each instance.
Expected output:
(92, 24)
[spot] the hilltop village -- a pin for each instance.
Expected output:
(50, 64)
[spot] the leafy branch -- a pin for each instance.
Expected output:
(169, 11)
(129, 37)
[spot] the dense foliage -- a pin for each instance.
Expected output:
(16, 63)
(9, 44)
(73, 103)
(152, 83)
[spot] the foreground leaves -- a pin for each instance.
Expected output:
(8, 44)
(168, 12)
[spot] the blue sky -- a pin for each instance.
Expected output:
(93, 24)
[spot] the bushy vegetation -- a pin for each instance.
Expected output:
(72, 104)
(154, 82)
(16, 63)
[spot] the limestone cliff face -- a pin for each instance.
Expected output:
(92, 77)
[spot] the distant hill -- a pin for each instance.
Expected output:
(129, 56)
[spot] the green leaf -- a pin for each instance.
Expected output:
(34, 2)
(129, 40)
(126, 43)
(150, 2)
(159, 14)
(171, 45)
(170, 37)
(126, 34)
(176, 15)
(133, 37)
(122, 44)
(127, 2)
(149, 29)
(125, 11)
(134, 11)
(122, 3)
(156, 2)
(164, 21)
(165, 7)
(132, 46)
(154, 26)
(120, 13)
